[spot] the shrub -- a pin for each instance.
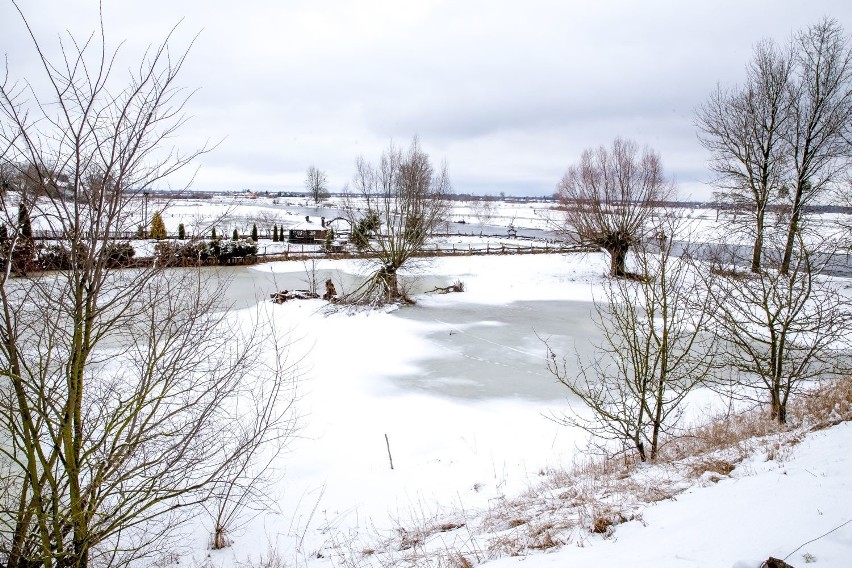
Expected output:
(237, 248)
(119, 254)
(54, 257)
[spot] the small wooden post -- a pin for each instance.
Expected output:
(390, 457)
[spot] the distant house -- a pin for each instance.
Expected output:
(308, 232)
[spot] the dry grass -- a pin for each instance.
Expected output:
(272, 559)
(598, 493)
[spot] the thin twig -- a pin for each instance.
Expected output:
(817, 538)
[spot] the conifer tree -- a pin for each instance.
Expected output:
(23, 252)
(254, 232)
(24, 224)
(235, 236)
(213, 234)
(158, 227)
(274, 233)
(181, 232)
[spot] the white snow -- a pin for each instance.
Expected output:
(455, 453)
(766, 508)
(405, 374)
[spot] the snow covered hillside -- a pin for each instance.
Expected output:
(454, 390)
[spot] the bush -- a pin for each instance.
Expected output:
(54, 257)
(177, 253)
(119, 254)
(239, 248)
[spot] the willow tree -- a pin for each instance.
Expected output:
(610, 195)
(128, 395)
(405, 200)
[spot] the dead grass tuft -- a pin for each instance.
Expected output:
(601, 525)
(711, 464)
(272, 559)
(827, 405)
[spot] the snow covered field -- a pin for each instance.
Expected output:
(455, 389)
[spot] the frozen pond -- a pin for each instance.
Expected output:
(497, 351)
(488, 351)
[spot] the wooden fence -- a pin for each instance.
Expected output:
(301, 252)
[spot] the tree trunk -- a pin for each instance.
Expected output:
(617, 258)
(640, 448)
(777, 409)
(388, 276)
(793, 227)
(758, 241)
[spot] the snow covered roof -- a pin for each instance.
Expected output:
(307, 226)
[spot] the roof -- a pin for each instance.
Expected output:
(307, 226)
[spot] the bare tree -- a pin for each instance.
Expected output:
(781, 330)
(744, 130)
(656, 349)
(484, 210)
(119, 388)
(316, 184)
(783, 139)
(609, 196)
(400, 202)
(821, 120)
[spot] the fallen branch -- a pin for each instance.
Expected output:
(285, 295)
(457, 287)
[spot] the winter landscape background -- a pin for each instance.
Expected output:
(459, 385)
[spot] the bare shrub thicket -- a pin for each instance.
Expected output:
(656, 349)
(131, 397)
(781, 331)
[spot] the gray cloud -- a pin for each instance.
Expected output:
(508, 93)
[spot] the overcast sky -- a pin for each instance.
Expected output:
(508, 93)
